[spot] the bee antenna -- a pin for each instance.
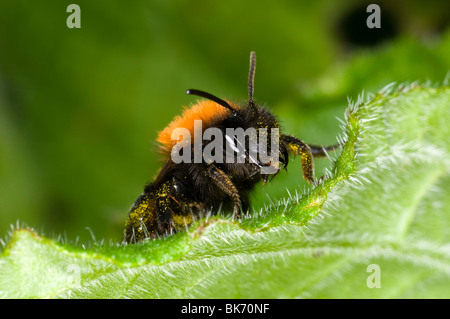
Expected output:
(210, 97)
(251, 76)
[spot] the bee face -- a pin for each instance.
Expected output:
(238, 147)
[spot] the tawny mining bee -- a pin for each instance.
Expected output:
(217, 171)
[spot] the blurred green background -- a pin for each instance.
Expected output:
(80, 108)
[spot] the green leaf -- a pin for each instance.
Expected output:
(380, 218)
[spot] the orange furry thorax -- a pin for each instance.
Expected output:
(209, 112)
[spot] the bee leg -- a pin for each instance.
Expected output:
(226, 185)
(298, 147)
(321, 151)
(140, 217)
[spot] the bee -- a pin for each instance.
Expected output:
(184, 191)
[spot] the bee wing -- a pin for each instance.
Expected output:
(233, 148)
(238, 149)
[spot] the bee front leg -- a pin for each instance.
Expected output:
(321, 151)
(140, 221)
(298, 147)
(222, 181)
